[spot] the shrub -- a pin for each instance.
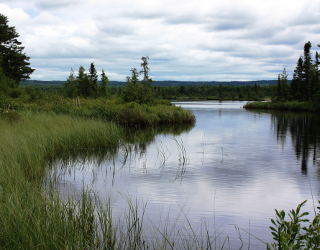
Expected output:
(292, 234)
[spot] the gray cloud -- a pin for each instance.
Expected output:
(185, 40)
(56, 4)
(183, 19)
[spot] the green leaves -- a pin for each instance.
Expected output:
(291, 234)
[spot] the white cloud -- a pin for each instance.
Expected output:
(198, 40)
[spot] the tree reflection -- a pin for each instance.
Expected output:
(304, 132)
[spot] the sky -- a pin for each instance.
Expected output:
(199, 40)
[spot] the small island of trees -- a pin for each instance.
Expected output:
(303, 93)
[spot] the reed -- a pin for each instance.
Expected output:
(114, 110)
(293, 106)
(33, 216)
(30, 218)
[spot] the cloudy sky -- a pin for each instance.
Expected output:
(198, 40)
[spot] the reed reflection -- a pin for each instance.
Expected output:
(133, 146)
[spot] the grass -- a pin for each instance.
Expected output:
(114, 110)
(293, 106)
(29, 218)
(32, 216)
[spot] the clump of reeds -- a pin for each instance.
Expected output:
(294, 106)
(115, 110)
(29, 219)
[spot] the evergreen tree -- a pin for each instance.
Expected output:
(93, 78)
(81, 80)
(148, 92)
(307, 74)
(296, 89)
(103, 86)
(70, 85)
(14, 63)
(283, 86)
(87, 87)
(132, 90)
(145, 69)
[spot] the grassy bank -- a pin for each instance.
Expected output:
(29, 219)
(33, 217)
(129, 114)
(293, 106)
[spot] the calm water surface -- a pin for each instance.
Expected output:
(232, 169)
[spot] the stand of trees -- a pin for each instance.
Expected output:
(139, 91)
(305, 84)
(86, 84)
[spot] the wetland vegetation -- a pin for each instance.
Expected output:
(37, 126)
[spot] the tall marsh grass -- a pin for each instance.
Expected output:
(115, 110)
(29, 218)
(293, 106)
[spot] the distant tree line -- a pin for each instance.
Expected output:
(255, 92)
(305, 84)
(57, 83)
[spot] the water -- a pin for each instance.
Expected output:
(232, 169)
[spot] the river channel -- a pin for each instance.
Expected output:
(228, 172)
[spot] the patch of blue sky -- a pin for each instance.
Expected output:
(32, 12)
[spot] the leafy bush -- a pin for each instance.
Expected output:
(298, 232)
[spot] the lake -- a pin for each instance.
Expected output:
(227, 173)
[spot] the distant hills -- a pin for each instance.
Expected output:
(39, 83)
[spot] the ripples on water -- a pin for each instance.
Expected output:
(233, 169)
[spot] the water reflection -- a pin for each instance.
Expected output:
(304, 132)
(91, 162)
(234, 167)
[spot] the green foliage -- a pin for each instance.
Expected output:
(294, 233)
(293, 106)
(102, 88)
(71, 85)
(140, 92)
(86, 85)
(14, 62)
(228, 92)
(10, 115)
(283, 86)
(305, 82)
(93, 80)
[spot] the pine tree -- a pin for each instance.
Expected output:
(14, 63)
(81, 80)
(297, 83)
(307, 72)
(94, 79)
(103, 86)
